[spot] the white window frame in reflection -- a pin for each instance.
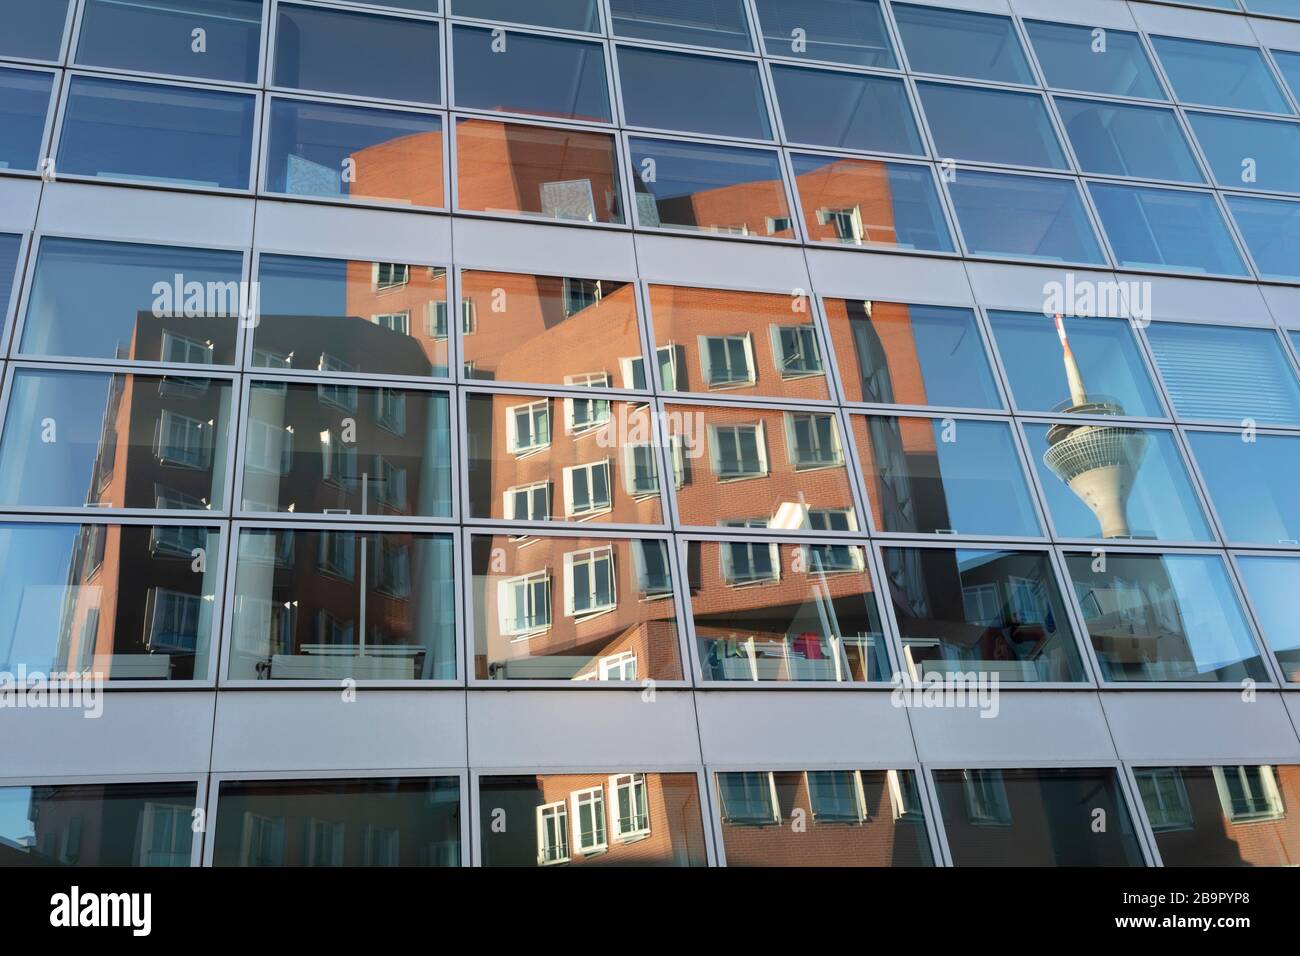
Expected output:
(593, 801)
(538, 411)
(716, 457)
(599, 563)
(807, 351)
(634, 785)
(1265, 805)
(537, 610)
(765, 782)
(856, 794)
(732, 377)
(587, 473)
(985, 793)
(513, 495)
(594, 411)
(1167, 815)
(553, 818)
(835, 449)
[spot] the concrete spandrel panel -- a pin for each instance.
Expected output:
(888, 278)
(1046, 290)
(1198, 300)
(719, 263)
(1200, 726)
(110, 212)
(1092, 13)
(18, 201)
(1033, 726)
(341, 232)
(1182, 21)
(544, 249)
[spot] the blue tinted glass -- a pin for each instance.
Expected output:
(312, 145)
(560, 14)
(1025, 217)
(718, 23)
(1169, 229)
(840, 31)
(33, 30)
(170, 134)
(1252, 484)
(1115, 139)
(533, 74)
(960, 43)
(1073, 58)
(1272, 584)
(866, 202)
(1271, 230)
(157, 37)
(991, 126)
(1219, 74)
(1217, 373)
(846, 110)
(1289, 64)
(24, 106)
(666, 90)
(316, 48)
(9, 246)
(1250, 153)
(1277, 8)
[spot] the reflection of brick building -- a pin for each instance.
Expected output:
(108, 825)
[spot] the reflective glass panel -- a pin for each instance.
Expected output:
(24, 108)
(134, 302)
(846, 111)
(581, 15)
(1023, 217)
(1041, 817)
(1115, 481)
(1271, 583)
(370, 317)
(661, 90)
(1164, 617)
(158, 37)
(1280, 8)
(719, 23)
(1271, 230)
(994, 613)
(771, 611)
(944, 476)
(724, 189)
(1249, 153)
(852, 818)
(561, 79)
(115, 440)
(522, 170)
(962, 43)
(346, 449)
(328, 151)
(316, 49)
(894, 354)
(573, 609)
(345, 604)
(119, 824)
(1175, 230)
(861, 202)
(1220, 74)
(991, 126)
(9, 246)
(33, 31)
(119, 602)
(1119, 139)
(550, 330)
(1289, 65)
(370, 821)
(841, 31)
(1219, 373)
(1251, 480)
(174, 135)
(1072, 58)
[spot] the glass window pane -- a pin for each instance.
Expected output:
(518, 169)
(661, 90)
(1222, 816)
(1271, 230)
(371, 821)
(113, 440)
(894, 354)
(719, 23)
(120, 824)
(158, 37)
(24, 108)
(573, 609)
(1164, 617)
(1072, 59)
(373, 317)
(945, 476)
(870, 203)
(560, 14)
(347, 449)
(991, 126)
(1115, 481)
(1116, 139)
(1225, 374)
(1038, 817)
(723, 189)
(325, 150)
(839, 31)
(1289, 64)
(769, 611)
(962, 43)
(9, 247)
(1220, 74)
(984, 612)
(33, 31)
(316, 49)
(1271, 584)
(1250, 153)
(116, 602)
(1023, 217)
(303, 610)
(134, 302)
(846, 111)
(1166, 229)
(118, 129)
(561, 79)
(1252, 484)
(1279, 8)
